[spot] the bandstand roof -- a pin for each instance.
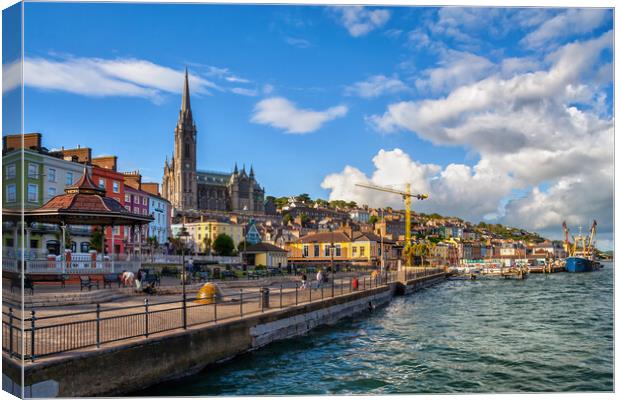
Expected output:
(83, 203)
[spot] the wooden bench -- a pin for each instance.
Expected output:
(16, 282)
(109, 279)
(87, 282)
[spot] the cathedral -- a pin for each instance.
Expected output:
(190, 189)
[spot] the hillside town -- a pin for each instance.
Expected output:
(295, 230)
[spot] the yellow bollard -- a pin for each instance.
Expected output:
(207, 293)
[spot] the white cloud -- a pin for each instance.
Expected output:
(283, 114)
(298, 42)
(359, 20)
(573, 21)
(99, 77)
(376, 86)
(244, 91)
(530, 136)
(236, 79)
(457, 189)
(456, 69)
(11, 76)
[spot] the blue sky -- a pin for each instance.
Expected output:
(458, 101)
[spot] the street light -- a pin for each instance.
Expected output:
(182, 235)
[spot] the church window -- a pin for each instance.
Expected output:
(186, 150)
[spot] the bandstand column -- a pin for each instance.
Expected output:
(112, 247)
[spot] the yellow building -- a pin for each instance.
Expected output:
(266, 254)
(198, 231)
(350, 248)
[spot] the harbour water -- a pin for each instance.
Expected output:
(547, 333)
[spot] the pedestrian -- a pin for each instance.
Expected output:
(304, 281)
(319, 279)
(139, 280)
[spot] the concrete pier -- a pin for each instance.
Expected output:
(134, 365)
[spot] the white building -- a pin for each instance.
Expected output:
(160, 209)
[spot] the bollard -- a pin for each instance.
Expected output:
(32, 331)
(146, 317)
(98, 313)
(296, 287)
(341, 287)
(264, 298)
(241, 302)
(215, 309)
(280, 295)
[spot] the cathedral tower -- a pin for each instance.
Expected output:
(180, 180)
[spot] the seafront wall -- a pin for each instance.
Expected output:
(135, 365)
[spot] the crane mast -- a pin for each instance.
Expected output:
(407, 196)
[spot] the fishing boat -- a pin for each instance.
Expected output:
(581, 254)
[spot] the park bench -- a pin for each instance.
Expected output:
(253, 275)
(202, 276)
(16, 282)
(87, 282)
(151, 278)
(227, 274)
(109, 279)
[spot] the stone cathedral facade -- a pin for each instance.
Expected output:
(190, 189)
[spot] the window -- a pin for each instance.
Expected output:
(145, 201)
(51, 175)
(11, 193)
(116, 231)
(354, 251)
(317, 250)
(128, 208)
(102, 183)
(69, 180)
(362, 249)
(326, 250)
(33, 193)
(136, 199)
(305, 250)
(144, 211)
(115, 187)
(10, 171)
(84, 247)
(51, 192)
(33, 170)
(127, 198)
(338, 250)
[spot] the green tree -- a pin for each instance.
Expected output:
(281, 202)
(304, 219)
(153, 244)
(206, 242)
(286, 219)
(223, 245)
(373, 219)
(304, 198)
(96, 239)
(321, 203)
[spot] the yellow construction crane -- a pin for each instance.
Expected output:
(407, 196)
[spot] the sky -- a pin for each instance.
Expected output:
(502, 115)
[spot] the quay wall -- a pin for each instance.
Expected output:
(135, 365)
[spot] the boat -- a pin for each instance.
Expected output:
(583, 258)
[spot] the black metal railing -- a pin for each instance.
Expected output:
(39, 334)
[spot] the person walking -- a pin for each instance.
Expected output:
(304, 281)
(319, 279)
(139, 280)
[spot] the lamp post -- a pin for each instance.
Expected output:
(183, 234)
(331, 250)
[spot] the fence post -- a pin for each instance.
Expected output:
(321, 291)
(146, 317)
(310, 293)
(184, 309)
(296, 293)
(10, 332)
(364, 282)
(241, 302)
(98, 314)
(32, 331)
(280, 295)
(215, 310)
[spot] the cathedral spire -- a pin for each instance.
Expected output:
(251, 171)
(236, 169)
(185, 115)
